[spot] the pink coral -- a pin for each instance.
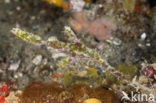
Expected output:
(101, 28)
(149, 71)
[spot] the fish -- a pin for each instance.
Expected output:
(58, 3)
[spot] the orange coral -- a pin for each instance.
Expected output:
(89, 1)
(57, 76)
(55, 93)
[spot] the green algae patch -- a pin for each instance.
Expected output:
(128, 70)
(92, 73)
(64, 62)
(68, 78)
(129, 5)
(110, 78)
(92, 77)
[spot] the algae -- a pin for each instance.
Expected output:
(110, 78)
(92, 77)
(128, 70)
(129, 5)
(68, 78)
